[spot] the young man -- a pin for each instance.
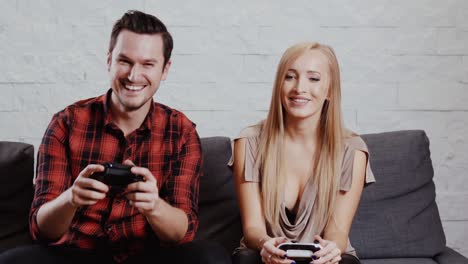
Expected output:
(79, 218)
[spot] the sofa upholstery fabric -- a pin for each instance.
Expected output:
(16, 192)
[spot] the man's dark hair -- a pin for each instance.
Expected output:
(142, 23)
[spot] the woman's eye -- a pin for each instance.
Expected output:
(289, 77)
(314, 79)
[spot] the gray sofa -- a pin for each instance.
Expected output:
(397, 220)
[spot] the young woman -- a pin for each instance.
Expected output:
(300, 173)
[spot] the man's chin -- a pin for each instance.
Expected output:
(132, 108)
(130, 104)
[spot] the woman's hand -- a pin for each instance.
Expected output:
(271, 254)
(330, 253)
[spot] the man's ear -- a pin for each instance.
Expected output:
(109, 60)
(166, 70)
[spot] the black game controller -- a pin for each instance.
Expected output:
(300, 252)
(116, 175)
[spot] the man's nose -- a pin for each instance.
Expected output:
(135, 73)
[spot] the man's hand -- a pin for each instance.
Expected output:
(144, 195)
(54, 217)
(87, 191)
(169, 223)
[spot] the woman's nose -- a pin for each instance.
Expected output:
(300, 86)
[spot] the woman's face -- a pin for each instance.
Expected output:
(305, 87)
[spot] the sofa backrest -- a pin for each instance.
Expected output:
(398, 215)
(219, 217)
(16, 192)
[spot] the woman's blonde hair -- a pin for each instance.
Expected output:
(327, 163)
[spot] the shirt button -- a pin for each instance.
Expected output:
(109, 228)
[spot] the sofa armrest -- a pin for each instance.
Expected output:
(16, 193)
(450, 256)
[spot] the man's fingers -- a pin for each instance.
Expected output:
(87, 183)
(86, 194)
(148, 187)
(81, 197)
(145, 173)
(80, 202)
(128, 162)
(87, 191)
(140, 197)
(142, 205)
(90, 169)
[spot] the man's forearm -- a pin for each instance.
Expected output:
(54, 217)
(169, 223)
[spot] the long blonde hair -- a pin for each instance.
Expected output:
(327, 163)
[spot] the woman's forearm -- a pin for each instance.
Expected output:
(254, 238)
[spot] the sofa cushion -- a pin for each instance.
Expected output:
(219, 217)
(16, 192)
(397, 215)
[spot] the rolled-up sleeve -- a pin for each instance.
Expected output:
(183, 185)
(52, 177)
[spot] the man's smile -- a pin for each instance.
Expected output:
(135, 88)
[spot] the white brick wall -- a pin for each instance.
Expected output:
(404, 66)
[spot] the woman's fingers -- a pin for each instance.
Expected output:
(270, 252)
(336, 259)
(329, 252)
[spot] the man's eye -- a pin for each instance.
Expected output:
(149, 65)
(124, 62)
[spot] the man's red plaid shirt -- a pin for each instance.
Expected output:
(83, 133)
